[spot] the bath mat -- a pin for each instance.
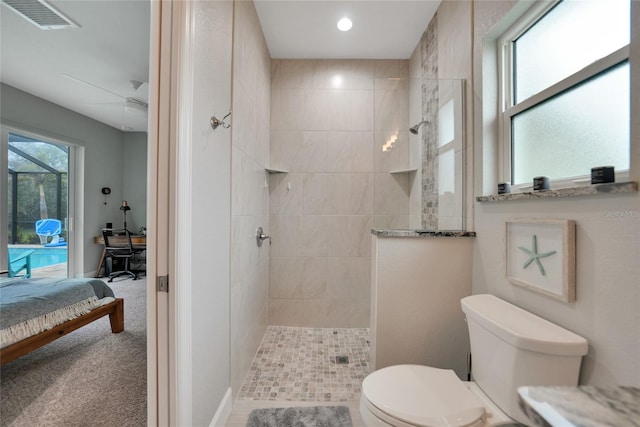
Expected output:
(301, 416)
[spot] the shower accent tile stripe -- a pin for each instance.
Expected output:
(299, 364)
(430, 101)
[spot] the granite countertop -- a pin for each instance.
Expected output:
(421, 233)
(582, 406)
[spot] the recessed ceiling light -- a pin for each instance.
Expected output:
(344, 24)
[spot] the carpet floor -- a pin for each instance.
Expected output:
(90, 377)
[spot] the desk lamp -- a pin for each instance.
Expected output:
(124, 208)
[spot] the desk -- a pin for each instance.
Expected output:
(138, 240)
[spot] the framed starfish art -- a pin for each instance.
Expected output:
(540, 256)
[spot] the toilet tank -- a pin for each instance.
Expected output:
(511, 347)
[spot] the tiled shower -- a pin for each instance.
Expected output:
(327, 118)
(321, 154)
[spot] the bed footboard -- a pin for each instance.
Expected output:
(114, 309)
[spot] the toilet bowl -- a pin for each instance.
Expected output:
(510, 348)
(413, 395)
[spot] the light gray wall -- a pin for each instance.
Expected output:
(135, 178)
(105, 159)
(606, 311)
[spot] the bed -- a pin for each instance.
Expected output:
(37, 311)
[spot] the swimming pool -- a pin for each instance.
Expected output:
(41, 257)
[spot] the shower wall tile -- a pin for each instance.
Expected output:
(391, 221)
(339, 74)
(314, 193)
(397, 155)
(285, 192)
(286, 235)
(354, 270)
(338, 197)
(391, 194)
(251, 105)
(361, 196)
(315, 312)
(314, 277)
(245, 254)
(285, 312)
(285, 277)
(286, 146)
(362, 151)
(244, 133)
(327, 215)
(391, 68)
(293, 74)
(392, 108)
(339, 151)
(361, 110)
(339, 109)
(362, 74)
(359, 232)
(313, 155)
(316, 110)
(249, 195)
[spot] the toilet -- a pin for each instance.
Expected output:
(510, 347)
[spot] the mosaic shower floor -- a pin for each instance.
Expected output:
(299, 364)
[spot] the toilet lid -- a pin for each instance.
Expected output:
(422, 396)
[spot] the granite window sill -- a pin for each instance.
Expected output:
(609, 188)
(420, 233)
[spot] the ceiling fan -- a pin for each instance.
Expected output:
(136, 106)
(135, 102)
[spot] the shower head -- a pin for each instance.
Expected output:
(414, 129)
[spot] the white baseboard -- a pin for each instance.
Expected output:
(223, 412)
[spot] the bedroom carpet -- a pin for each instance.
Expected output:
(311, 416)
(90, 377)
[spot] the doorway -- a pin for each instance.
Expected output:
(40, 181)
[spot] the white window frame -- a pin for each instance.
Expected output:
(507, 109)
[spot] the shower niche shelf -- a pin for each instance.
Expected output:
(399, 171)
(275, 170)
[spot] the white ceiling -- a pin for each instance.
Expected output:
(382, 29)
(90, 69)
(107, 51)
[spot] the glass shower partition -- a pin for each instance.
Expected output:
(419, 156)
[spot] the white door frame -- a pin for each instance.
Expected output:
(168, 133)
(75, 192)
(158, 386)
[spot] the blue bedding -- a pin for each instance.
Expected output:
(44, 302)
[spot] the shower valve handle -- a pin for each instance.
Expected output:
(260, 237)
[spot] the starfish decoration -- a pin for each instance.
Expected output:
(534, 255)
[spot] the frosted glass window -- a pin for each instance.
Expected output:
(569, 134)
(569, 37)
(446, 172)
(446, 124)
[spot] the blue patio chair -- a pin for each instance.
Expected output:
(50, 227)
(19, 263)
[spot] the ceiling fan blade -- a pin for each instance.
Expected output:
(93, 86)
(136, 103)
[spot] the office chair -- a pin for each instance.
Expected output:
(117, 245)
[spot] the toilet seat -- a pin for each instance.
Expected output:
(422, 396)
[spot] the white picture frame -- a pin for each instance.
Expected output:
(540, 256)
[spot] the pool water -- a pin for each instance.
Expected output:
(42, 257)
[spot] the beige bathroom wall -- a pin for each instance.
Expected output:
(606, 311)
(329, 119)
(417, 285)
(249, 196)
